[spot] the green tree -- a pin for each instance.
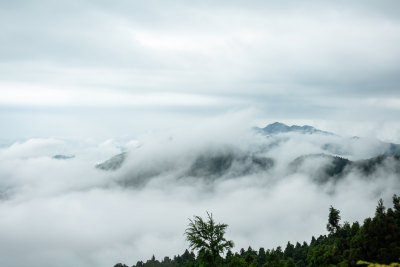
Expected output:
(290, 263)
(288, 252)
(380, 209)
(208, 238)
(261, 257)
(333, 220)
(396, 203)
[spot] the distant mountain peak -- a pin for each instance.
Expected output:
(278, 127)
(59, 156)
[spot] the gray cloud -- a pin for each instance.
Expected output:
(336, 61)
(262, 47)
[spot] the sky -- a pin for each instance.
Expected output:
(84, 69)
(172, 82)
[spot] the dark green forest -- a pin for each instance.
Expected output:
(376, 240)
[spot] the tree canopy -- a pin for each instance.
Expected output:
(377, 240)
(333, 220)
(208, 238)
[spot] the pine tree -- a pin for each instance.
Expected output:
(333, 220)
(396, 203)
(380, 209)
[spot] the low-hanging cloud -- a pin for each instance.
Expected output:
(69, 213)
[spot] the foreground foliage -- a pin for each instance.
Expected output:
(208, 238)
(376, 240)
(370, 264)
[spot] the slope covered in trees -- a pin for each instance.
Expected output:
(376, 240)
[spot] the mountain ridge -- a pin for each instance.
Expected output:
(278, 127)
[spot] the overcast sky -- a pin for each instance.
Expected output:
(106, 68)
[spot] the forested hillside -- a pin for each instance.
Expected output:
(377, 239)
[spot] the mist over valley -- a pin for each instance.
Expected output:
(110, 197)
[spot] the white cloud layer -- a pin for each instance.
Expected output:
(67, 213)
(28, 95)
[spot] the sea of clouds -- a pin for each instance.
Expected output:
(67, 212)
